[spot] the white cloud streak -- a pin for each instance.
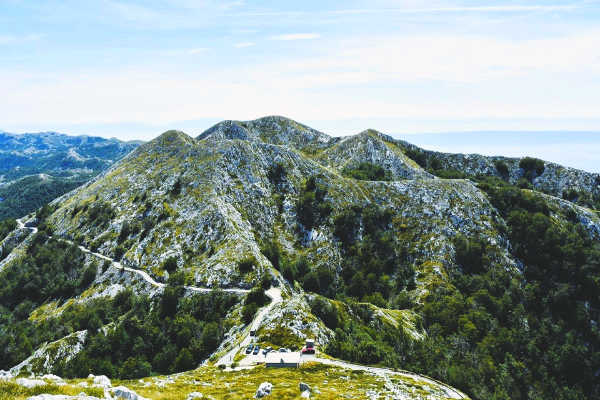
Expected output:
(488, 78)
(12, 39)
(242, 45)
(421, 10)
(296, 36)
(197, 50)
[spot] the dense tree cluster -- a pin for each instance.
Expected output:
(6, 227)
(492, 332)
(143, 336)
(53, 270)
(372, 265)
(532, 167)
(417, 155)
(171, 334)
(503, 335)
(362, 338)
(502, 168)
(367, 171)
(312, 207)
(30, 193)
(255, 299)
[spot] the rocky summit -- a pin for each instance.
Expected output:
(200, 256)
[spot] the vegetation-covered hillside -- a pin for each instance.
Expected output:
(484, 278)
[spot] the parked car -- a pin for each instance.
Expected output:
(309, 348)
(283, 350)
(256, 350)
(267, 350)
(252, 333)
(249, 349)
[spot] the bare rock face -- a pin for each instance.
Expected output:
(263, 390)
(81, 396)
(43, 359)
(102, 381)
(30, 383)
(376, 148)
(121, 392)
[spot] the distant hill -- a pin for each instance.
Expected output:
(38, 167)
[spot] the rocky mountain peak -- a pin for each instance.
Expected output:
(271, 130)
(169, 141)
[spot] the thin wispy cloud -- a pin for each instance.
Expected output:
(484, 9)
(197, 50)
(244, 44)
(10, 39)
(421, 10)
(296, 36)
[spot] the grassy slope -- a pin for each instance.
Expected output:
(331, 383)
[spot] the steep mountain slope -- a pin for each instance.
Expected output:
(548, 177)
(460, 279)
(38, 167)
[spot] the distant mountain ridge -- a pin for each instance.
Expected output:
(37, 167)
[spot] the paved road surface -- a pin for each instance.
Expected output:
(275, 296)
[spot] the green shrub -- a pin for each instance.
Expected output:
(418, 156)
(570, 194)
(276, 173)
(246, 265)
(367, 171)
(100, 213)
(471, 254)
(6, 227)
(312, 208)
(170, 264)
(325, 311)
(272, 251)
(449, 174)
(532, 167)
(119, 251)
(257, 296)
(89, 275)
(184, 361)
(502, 168)
(248, 312)
(176, 188)
(135, 368)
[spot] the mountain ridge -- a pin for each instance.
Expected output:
(387, 254)
(67, 162)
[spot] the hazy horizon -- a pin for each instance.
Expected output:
(576, 149)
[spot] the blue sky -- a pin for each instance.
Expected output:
(132, 69)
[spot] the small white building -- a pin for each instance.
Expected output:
(283, 360)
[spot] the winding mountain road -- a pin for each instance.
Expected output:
(143, 274)
(275, 296)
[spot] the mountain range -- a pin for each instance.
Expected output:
(481, 272)
(38, 167)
